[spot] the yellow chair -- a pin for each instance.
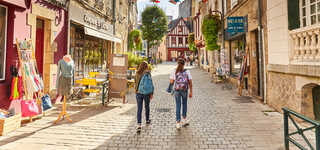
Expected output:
(93, 74)
(90, 83)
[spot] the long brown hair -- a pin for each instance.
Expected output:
(142, 67)
(180, 67)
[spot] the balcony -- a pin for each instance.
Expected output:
(305, 48)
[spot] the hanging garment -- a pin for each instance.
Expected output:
(14, 89)
(29, 80)
(37, 78)
(20, 86)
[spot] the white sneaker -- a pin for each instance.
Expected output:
(185, 122)
(178, 125)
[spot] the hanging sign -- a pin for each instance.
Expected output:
(235, 24)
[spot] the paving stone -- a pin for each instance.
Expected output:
(217, 122)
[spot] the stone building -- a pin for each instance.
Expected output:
(246, 43)
(185, 9)
(42, 21)
(293, 69)
(162, 53)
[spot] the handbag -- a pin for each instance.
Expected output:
(29, 108)
(46, 102)
(15, 106)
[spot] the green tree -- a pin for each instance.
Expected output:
(154, 25)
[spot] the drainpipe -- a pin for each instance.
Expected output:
(223, 35)
(68, 34)
(129, 23)
(261, 60)
(114, 22)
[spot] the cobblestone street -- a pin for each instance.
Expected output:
(219, 120)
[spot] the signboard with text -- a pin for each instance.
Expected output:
(235, 25)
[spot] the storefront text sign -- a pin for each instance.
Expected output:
(98, 23)
(89, 19)
(119, 61)
(235, 24)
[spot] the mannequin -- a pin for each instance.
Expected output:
(64, 82)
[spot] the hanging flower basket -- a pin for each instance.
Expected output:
(211, 26)
(135, 40)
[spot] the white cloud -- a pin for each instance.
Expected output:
(169, 8)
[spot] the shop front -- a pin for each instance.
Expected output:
(91, 41)
(40, 21)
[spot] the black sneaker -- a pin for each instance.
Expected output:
(139, 128)
(148, 122)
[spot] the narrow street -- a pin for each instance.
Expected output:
(218, 120)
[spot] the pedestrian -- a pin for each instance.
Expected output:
(182, 80)
(144, 92)
(191, 60)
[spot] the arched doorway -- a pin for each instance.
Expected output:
(311, 101)
(316, 102)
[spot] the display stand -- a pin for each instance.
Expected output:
(63, 113)
(242, 73)
(32, 60)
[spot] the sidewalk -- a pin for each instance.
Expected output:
(219, 120)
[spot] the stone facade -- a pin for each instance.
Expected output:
(162, 53)
(292, 91)
(248, 8)
(185, 9)
(290, 82)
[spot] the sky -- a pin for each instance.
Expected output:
(169, 8)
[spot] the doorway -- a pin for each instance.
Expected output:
(316, 102)
(39, 45)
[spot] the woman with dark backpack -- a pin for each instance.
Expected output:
(144, 92)
(182, 80)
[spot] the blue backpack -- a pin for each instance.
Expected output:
(146, 85)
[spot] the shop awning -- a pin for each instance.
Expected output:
(101, 35)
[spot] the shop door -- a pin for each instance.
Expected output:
(316, 102)
(40, 45)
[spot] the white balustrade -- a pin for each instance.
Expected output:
(306, 44)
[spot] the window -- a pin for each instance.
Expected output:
(180, 28)
(309, 12)
(173, 40)
(180, 40)
(3, 40)
(186, 40)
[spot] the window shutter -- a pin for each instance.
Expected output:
(293, 14)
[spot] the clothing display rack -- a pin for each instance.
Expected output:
(32, 82)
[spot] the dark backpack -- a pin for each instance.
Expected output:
(182, 81)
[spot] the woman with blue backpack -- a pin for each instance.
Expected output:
(181, 79)
(144, 92)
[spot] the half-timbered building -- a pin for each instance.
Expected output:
(177, 39)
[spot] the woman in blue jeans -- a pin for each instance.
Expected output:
(142, 70)
(182, 80)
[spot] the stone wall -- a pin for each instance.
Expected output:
(185, 8)
(281, 92)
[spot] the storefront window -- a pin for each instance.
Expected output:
(89, 53)
(3, 40)
(237, 52)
